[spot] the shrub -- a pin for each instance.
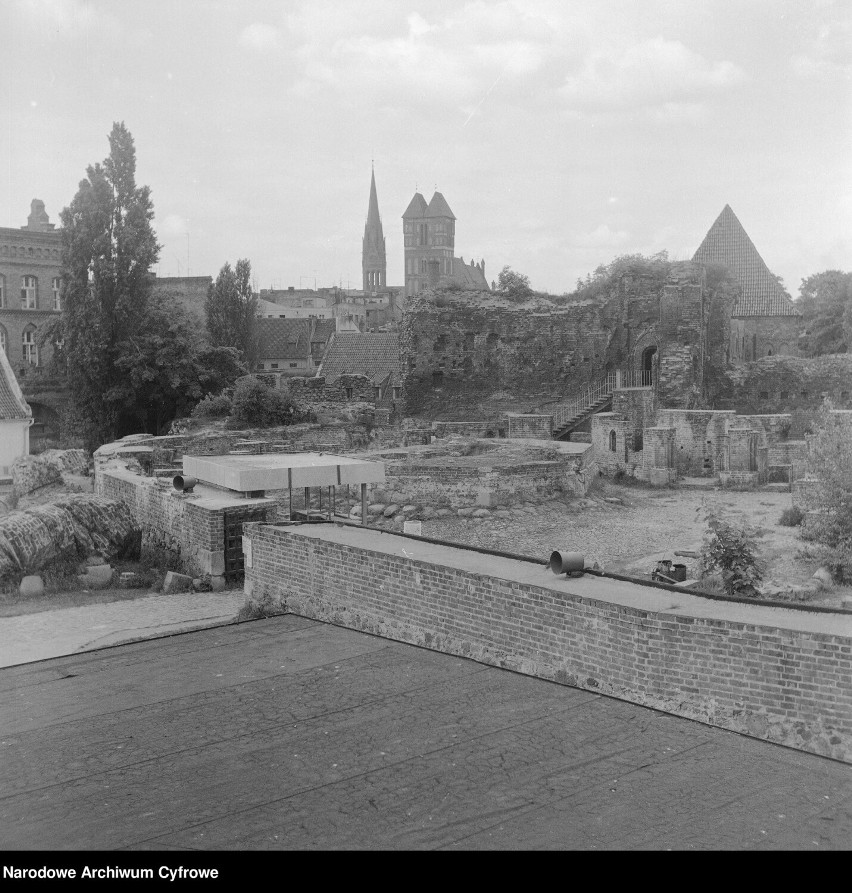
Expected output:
(216, 406)
(791, 517)
(256, 405)
(731, 551)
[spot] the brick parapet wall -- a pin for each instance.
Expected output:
(790, 687)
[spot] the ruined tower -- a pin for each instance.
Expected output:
(373, 258)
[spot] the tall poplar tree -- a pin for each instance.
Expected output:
(231, 311)
(108, 249)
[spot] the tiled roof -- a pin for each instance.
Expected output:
(12, 403)
(727, 243)
(284, 338)
(438, 207)
(323, 330)
(374, 354)
(416, 207)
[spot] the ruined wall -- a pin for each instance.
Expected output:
(528, 426)
(487, 428)
(795, 385)
(614, 441)
(698, 439)
(790, 686)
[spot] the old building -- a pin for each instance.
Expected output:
(292, 347)
(429, 233)
(30, 296)
(764, 319)
(367, 366)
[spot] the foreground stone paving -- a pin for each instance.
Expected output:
(292, 734)
(32, 637)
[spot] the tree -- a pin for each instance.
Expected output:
(231, 311)
(826, 303)
(516, 285)
(108, 248)
(165, 371)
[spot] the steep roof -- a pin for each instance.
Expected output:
(374, 221)
(438, 207)
(728, 244)
(12, 403)
(469, 276)
(416, 207)
(285, 338)
(374, 354)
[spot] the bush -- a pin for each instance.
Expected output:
(731, 551)
(216, 406)
(260, 608)
(791, 517)
(256, 405)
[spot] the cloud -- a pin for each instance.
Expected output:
(826, 54)
(603, 237)
(70, 19)
(259, 36)
(458, 58)
(658, 74)
(172, 225)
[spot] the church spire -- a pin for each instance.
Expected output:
(373, 259)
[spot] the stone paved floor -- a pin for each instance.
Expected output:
(31, 637)
(291, 734)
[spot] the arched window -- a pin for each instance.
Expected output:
(2, 292)
(57, 298)
(29, 286)
(30, 348)
(4, 344)
(612, 440)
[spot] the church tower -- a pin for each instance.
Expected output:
(374, 263)
(430, 239)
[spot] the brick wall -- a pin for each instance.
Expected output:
(469, 429)
(538, 427)
(792, 687)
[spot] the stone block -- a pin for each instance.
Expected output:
(391, 510)
(217, 584)
(97, 576)
(176, 582)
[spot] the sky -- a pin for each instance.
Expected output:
(562, 134)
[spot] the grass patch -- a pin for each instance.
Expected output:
(267, 605)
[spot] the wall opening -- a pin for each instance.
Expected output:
(648, 365)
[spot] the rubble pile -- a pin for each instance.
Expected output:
(76, 525)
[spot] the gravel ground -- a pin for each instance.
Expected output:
(645, 526)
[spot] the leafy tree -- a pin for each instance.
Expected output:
(514, 284)
(165, 371)
(108, 248)
(826, 303)
(829, 461)
(231, 311)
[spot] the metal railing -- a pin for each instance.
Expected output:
(634, 378)
(567, 411)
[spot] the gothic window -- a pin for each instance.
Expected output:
(2, 292)
(57, 300)
(29, 284)
(612, 441)
(30, 348)
(4, 345)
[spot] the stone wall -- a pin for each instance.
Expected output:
(789, 686)
(538, 427)
(487, 428)
(698, 438)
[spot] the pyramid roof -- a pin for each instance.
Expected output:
(727, 243)
(438, 207)
(416, 207)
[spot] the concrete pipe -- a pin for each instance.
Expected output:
(183, 484)
(566, 562)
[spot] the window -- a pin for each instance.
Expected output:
(764, 395)
(275, 365)
(397, 391)
(56, 286)
(28, 292)
(2, 292)
(348, 393)
(377, 393)
(754, 347)
(612, 441)
(30, 347)
(293, 365)
(3, 343)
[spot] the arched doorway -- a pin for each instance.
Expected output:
(648, 365)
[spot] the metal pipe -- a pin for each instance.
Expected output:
(363, 504)
(183, 484)
(566, 562)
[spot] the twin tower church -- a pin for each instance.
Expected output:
(429, 233)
